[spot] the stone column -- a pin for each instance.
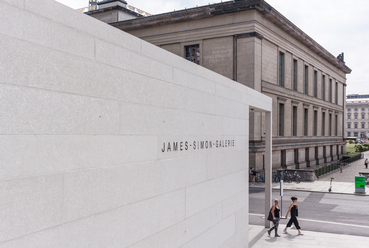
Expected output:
(268, 165)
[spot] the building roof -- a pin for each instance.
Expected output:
(355, 96)
(356, 99)
(128, 9)
(110, 1)
(231, 7)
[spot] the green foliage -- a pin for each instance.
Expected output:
(358, 147)
(352, 154)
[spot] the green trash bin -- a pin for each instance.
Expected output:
(359, 184)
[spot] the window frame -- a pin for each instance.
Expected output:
(191, 43)
(306, 79)
(331, 90)
(315, 83)
(323, 88)
(315, 122)
(323, 123)
(281, 117)
(294, 120)
(294, 74)
(196, 58)
(281, 68)
(306, 121)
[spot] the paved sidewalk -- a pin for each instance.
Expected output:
(349, 171)
(343, 183)
(317, 186)
(258, 238)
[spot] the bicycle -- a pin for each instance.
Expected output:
(287, 177)
(260, 178)
(297, 177)
(277, 177)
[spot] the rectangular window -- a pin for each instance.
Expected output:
(362, 125)
(296, 156)
(307, 157)
(323, 124)
(294, 121)
(348, 125)
(348, 134)
(331, 152)
(281, 69)
(348, 116)
(355, 116)
(355, 125)
(330, 125)
(315, 84)
(330, 90)
(336, 93)
(337, 150)
(295, 74)
(306, 122)
(356, 134)
(363, 116)
(306, 80)
(192, 53)
(336, 126)
(317, 153)
(281, 120)
(283, 159)
(315, 123)
(323, 87)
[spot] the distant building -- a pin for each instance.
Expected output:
(111, 11)
(252, 43)
(93, 2)
(357, 116)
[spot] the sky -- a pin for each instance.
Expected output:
(337, 25)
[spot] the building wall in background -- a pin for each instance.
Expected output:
(246, 46)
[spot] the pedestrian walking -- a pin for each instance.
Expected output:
(293, 209)
(274, 216)
(341, 166)
(253, 175)
(366, 163)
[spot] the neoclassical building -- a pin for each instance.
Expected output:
(357, 116)
(252, 43)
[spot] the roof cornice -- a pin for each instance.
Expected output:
(231, 7)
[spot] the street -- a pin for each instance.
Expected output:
(321, 212)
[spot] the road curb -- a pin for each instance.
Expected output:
(307, 190)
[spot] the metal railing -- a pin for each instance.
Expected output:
(319, 170)
(326, 168)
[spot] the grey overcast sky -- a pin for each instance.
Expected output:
(337, 25)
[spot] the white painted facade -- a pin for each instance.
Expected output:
(85, 112)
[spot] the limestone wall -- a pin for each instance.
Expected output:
(87, 117)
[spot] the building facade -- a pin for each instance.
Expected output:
(357, 116)
(252, 43)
